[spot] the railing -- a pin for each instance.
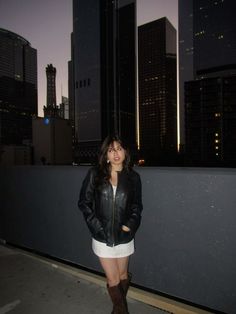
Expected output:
(185, 246)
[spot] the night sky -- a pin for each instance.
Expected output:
(47, 25)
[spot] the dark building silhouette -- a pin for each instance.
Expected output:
(51, 85)
(71, 94)
(18, 88)
(52, 135)
(51, 108)
(208, 75)
(102, 73)
(52, 141)
(211, 121)
(157, 91)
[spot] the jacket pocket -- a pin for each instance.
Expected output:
(125, 236)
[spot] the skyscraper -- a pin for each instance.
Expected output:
(206, 38)
(18, 88)
(210, 114)
(157, 91)
(102, 73)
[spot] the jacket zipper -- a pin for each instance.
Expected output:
(113, 209)
(113, 216)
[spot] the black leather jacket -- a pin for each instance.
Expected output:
(105, 214)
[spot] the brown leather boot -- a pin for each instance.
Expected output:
(125, 283)
(118, 299)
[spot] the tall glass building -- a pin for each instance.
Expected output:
(157, 91)
(102, 73)
(18, 88)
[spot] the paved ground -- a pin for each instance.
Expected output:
(30, 286)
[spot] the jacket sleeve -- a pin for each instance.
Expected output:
(86, 204)
(136, 207)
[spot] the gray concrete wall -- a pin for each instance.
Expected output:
(185, 246)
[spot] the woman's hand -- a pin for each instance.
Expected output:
(125, 228)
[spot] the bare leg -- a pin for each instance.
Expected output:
(116, 269)
(123, 264)
(111, 269)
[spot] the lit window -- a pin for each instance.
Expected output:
(217, 147)
(216, 134)
(216, 141)
(217, 154)
(217, 114)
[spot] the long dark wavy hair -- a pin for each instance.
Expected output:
(104, 167)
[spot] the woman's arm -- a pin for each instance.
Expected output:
(136, 208)
(86, 204)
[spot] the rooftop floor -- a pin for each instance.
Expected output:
(31, 284)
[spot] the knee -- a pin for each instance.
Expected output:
(123, 275)
(113, 281)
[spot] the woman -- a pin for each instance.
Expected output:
(111, 202)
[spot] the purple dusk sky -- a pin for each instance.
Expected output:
(47, 25)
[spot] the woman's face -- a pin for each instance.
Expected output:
(116, 154)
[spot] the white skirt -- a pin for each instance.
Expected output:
(120, 250)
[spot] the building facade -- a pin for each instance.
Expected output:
(207, 79)
(52, 137)
(157, 92)
(64, 108)
(18, 88)
(102, 73)
(214, 40)
(211, 121)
